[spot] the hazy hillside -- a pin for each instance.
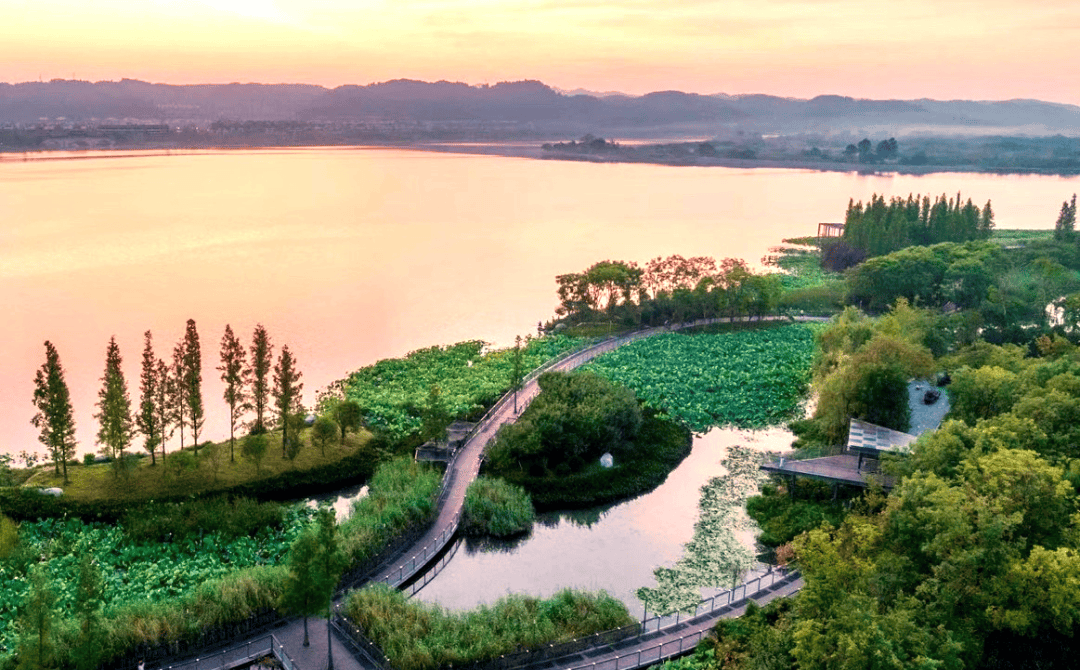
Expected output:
(529, 103)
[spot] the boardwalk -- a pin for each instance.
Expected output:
(461, 471)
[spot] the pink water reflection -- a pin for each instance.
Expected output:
(351, 255)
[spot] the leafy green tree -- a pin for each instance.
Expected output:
(302, 592)
(315, 564)
(1065, 226)
(37, 641)
(575, 419)
(234, 373)
(214, 454)
(148, 416)
(349, 416)
(323, 432)
(193, 381)
(331, 562)
(88, 612)
(871, 385)
(261, 361)
(114, 408)
(255, 447)
(287, 388)
(864, 146)
(982, 393)
(55, 418)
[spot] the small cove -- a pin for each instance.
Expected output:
(613, 547)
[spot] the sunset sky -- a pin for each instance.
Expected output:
(944, 49)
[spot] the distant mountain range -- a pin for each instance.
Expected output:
(524, 103)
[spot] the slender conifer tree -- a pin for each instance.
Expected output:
(55, 417)
(114, 408)
(178, 391)
(193, 381)
(163, 404)
(287, 388)
(147, 418)
(262, 359)
(234, 373)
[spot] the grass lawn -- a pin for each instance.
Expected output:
(143, 481)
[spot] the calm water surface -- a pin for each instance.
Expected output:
(614, 548)
(351, 255)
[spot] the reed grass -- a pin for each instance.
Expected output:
(418, 636)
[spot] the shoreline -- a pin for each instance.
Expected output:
(533, 150)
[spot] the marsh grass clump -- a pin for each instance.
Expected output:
(418, 636)
(496, 508)
(402, 494)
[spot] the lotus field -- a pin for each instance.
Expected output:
(133, 572)
(747, 379)
(393, 392)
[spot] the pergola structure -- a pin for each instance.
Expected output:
(857, 466)
(830, 230)
(443, 451)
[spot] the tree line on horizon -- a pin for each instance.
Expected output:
(670, 289)
(171, 398)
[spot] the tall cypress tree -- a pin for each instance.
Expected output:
(178, 391)
(54, 418)
(262, 357)
(1065, 227)
(114, 408)
(193, 381)
(162, 404)
(234, 371)
(147, 418)
(287, 388)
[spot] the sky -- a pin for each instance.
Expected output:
(942, 49)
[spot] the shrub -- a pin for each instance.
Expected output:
(232, 518)
(495, 507)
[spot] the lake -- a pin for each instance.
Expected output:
(350, 255)
(612, 547)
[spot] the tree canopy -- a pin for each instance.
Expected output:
(55, 417)
(575, 419)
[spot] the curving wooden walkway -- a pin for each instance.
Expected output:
(642, 650)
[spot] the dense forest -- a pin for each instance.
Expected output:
(881, 227)
(971, 560)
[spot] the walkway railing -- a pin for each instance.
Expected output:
(417, 561)
(267, 645)
(634, 639)
(569, 360)
(430, 574)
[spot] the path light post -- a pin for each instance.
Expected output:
(329, 638)
(517, 371)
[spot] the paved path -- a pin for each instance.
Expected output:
(460, 473)
(668, 642)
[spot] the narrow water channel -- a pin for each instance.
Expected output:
(614, 547)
